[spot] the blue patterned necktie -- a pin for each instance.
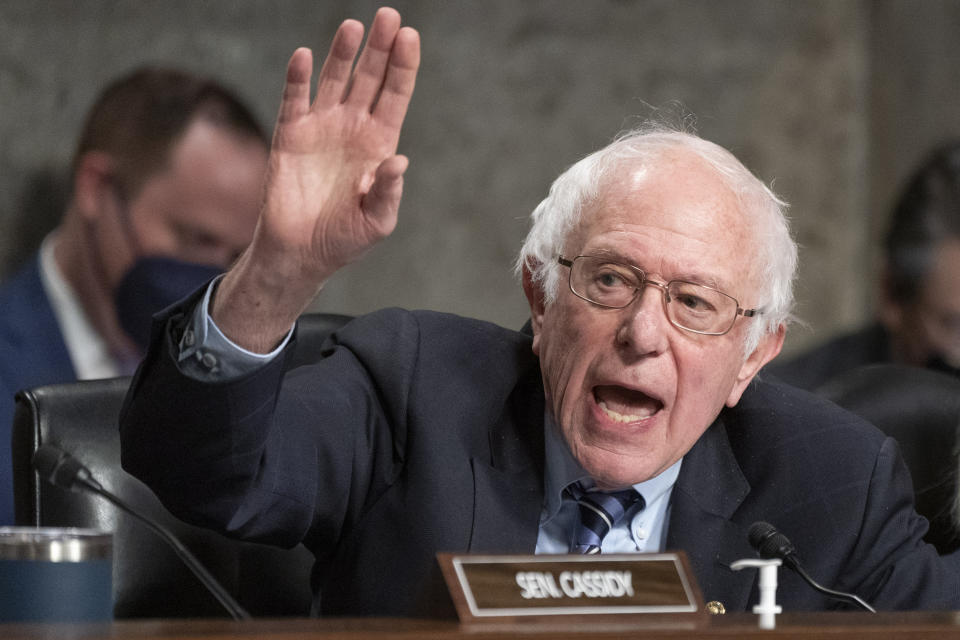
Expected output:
(600, 511)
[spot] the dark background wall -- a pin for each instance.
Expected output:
(831, 101)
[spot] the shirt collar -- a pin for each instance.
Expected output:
(89, 354)
(562, 469)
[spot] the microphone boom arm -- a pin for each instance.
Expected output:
(852, 598)
(770, 543)
(61, 469)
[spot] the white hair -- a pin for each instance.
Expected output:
(559, 214)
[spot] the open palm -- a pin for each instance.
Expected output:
(333, 182)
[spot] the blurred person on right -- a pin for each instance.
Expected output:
(918, 321)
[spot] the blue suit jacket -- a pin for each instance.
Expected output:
(32, 353)
(423, 432)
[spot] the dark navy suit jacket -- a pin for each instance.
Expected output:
(422, 432)
(32, 353)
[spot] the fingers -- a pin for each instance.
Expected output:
(335, 74)
(385, 73)
(400, 79)
(296, 90)
(372, 64)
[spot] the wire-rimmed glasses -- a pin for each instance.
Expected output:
(687, 305)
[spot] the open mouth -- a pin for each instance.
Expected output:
(625, 405)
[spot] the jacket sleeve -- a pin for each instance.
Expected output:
(273, 456)
(890, 565)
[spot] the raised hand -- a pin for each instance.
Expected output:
(333, 182)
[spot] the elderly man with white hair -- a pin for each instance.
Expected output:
(658, 272)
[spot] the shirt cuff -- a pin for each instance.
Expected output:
(209, 356)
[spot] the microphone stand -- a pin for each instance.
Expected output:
(64, 471)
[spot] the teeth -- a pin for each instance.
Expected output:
(620, 417)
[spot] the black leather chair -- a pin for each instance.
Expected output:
(149, 579)
(920, 408)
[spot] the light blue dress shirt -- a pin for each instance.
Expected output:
(208, 355)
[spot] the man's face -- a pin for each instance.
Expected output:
(930, 327)
(631, 392)
(202, 207)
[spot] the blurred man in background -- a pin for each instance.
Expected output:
(165, 193)
(919, 315)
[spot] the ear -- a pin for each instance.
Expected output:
(93, 184)
(535, 298)
(766, 351)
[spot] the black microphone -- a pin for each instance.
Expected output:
(770, 543)
(63, 470)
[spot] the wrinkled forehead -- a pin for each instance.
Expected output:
(677, 211)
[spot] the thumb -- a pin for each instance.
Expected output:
(382, 201)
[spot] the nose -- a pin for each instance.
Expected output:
(644, 327)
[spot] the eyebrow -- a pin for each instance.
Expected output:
(686, 276)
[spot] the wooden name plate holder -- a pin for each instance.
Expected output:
(512, 587)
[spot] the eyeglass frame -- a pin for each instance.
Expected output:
(664, 287)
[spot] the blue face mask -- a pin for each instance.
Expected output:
(151, 285)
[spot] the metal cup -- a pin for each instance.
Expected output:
(55, 574)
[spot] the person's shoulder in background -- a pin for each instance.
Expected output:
(32, 350)
(813, 368)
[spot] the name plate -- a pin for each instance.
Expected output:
(510, 586)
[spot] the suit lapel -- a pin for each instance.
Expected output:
(506, 513)
(708, 491)
(30, 334)
(508, 478)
